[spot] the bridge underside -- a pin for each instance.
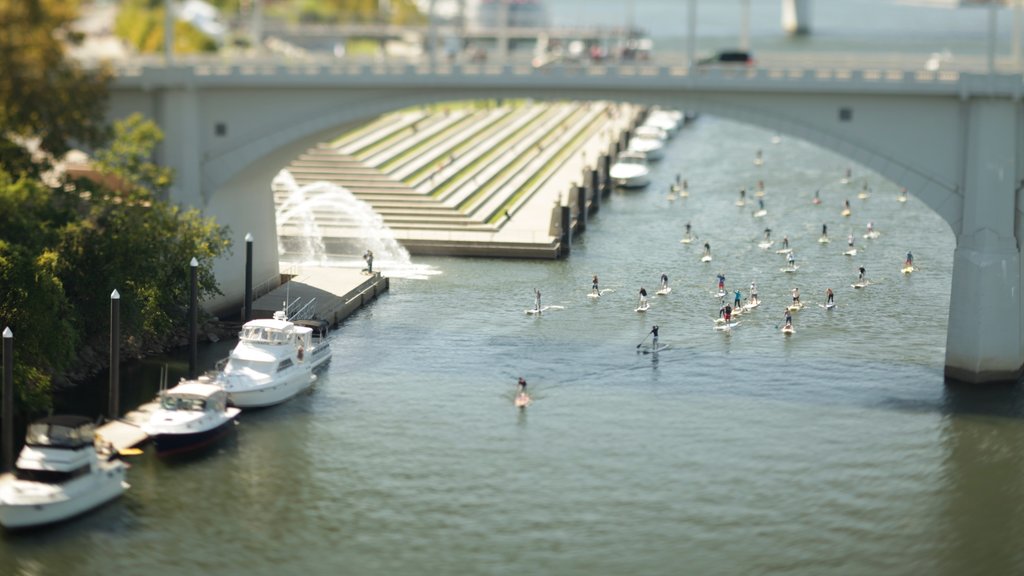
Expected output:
(958, 153)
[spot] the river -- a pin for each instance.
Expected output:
(837, 450)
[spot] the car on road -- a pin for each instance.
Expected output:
(728, 57)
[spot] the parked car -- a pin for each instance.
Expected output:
(728, 57)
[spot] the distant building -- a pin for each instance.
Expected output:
(521, 13)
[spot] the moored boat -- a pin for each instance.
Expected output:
(630, 170)
(191, 415)
(59, 474)
(272, 362)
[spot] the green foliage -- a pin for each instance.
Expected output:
(140, 23)
(44, 98)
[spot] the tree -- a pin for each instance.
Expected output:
(47, 102)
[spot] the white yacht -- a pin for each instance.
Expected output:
(59, 474)
(272, 362)
(648, 131)
(191, 415)
(652, 148)
(630, 170)
(667, 120)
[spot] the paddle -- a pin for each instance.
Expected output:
(642, 341)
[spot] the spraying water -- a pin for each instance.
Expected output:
(323, 224)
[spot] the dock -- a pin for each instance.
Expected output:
(125, 432)
(330, 294)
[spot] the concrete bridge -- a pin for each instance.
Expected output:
(954, 139)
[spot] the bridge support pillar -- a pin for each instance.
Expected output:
(983, 342)
(796, 17)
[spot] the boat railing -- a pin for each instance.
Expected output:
(306, 312)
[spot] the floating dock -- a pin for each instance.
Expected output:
(331, 293)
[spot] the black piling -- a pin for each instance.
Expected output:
(8, 400)
(114, 402)
(566, 230)
(248, 279)
(606, 178)
(594, 183)
(581, 209)
(193, 319)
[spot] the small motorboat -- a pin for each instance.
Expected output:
(59, 474)
(630, 170)
(191, 415)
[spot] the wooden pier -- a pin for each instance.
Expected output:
(126, 431)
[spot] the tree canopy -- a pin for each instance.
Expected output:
(67, 242)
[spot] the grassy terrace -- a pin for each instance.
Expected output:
(591, 129)
(497, 149)
(464, 146)
(496, 181)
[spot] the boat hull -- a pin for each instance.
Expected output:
(276, 392)
(77, 497)
(171, 444)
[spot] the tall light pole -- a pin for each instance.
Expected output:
(992, 20)
(744, 24)
(691, 35)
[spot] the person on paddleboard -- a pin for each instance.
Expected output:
(595, 289)
(707, 248)
(654, 339)
(829, 297)
(871, 227)
(760, 204)
(536, 299)
(737, 299)
(664, 281)
(743, 194)
(860, 277)
(788, 319)
(910, 260)
(687, 229)
(817, 197)
(753, 292)
(849, 240)
(721, 282)
(796, 295)
(767, 234)
(785, 242)
(791, 259)
(846, 205)
(824, 230)
(728, 314)
(522, 385)
(643, 298)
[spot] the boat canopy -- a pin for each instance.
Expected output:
(62, 431)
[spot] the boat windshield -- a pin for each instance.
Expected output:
(631, 160)
(264, 335)
(50, 476)
(170, 402)
(47, 434)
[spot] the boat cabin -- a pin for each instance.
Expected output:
(57, 449)
(194, 396)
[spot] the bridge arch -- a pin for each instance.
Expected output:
(955, 145)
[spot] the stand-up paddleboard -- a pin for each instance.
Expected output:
(593, 295)
(759, 193)
(664, 291)
(864, 195)
(671, 196)
(784, 251)
(790, 269)
(845, 212)
(686, 240)
(522, 400)
(828, 306)
(795, 307)
(815, 200)
(760, 213)
(874, 234)
(824, 240)
(684, 194)
(907, 269)
(705, 258)
(901, 198)
(741, 203)
(723, 327)
(787, 330)
(858, 285)
(719, 294)
(643, 307)
(535, 312)
(850, 252)
(751, 305)
(765, 244)
(651, 350)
